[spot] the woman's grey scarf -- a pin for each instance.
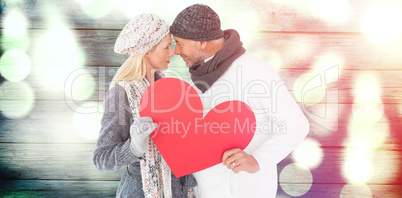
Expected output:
(205, 75)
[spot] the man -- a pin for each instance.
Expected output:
(221, 71)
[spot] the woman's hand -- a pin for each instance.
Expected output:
(139, 132)
(237, 160)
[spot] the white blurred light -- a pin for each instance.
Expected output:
(15, 65)
(57, 58)
(381, 23)
(364, 114)
(87, 124)
(168, 10)
(367, 88)
(14, 35)
(356, 190)
(373, 134)
(295, 179)
(59, 53)
(80, 85)
(368, 106)
(16, 99)
(132, 8)
(288, 2)
(324, 117)
(387, 166)
(358, 167)
(308, 154)
(300, 49)
(367, 129)
(244, 25)
(331, 11)
(327, 61)
(272, 57)
(309, 88)
(96, 9)
(15, 23)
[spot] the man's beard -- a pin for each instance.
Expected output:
(194, 63)
(196, 60)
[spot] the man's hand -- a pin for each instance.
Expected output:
(238, 160)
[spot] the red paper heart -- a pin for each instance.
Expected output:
(187, 141)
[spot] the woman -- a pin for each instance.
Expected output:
(124, 136)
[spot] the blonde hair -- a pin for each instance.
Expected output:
(133, 69)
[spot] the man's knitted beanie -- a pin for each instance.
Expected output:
(197, 22)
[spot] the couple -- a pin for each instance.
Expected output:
(213, 56)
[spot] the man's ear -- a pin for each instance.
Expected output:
(201, 44)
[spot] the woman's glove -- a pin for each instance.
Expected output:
(139, 131)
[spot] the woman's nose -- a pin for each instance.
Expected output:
(171, 53)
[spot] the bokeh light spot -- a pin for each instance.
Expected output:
(356, 191)
(325, 118)
(367, 113)
(329, 10)
(367, 88)
(300, 49)
(358, 167)
(131, 9)
(234, 18)
(16, 99)
(15, 65)
(326, 62)
(15, 23)
(96, 9)
(87, 124)
(164, 9)
(83, 87)
(287, 2)
(368, 106)
(295, 179)
(14, 34)
(308, 154)
(309, 88)
(59, 55)
(272, 57)
(381, 22)
(374, 134)
(367, 129)
(244, 26)
(386, 165)
(12, 42)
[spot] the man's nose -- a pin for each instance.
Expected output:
(177, 50)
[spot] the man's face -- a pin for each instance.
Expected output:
(188, 50)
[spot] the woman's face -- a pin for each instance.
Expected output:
(160, 57)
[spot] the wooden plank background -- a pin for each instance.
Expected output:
(50, 120)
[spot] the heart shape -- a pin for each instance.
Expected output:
(188, 142)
